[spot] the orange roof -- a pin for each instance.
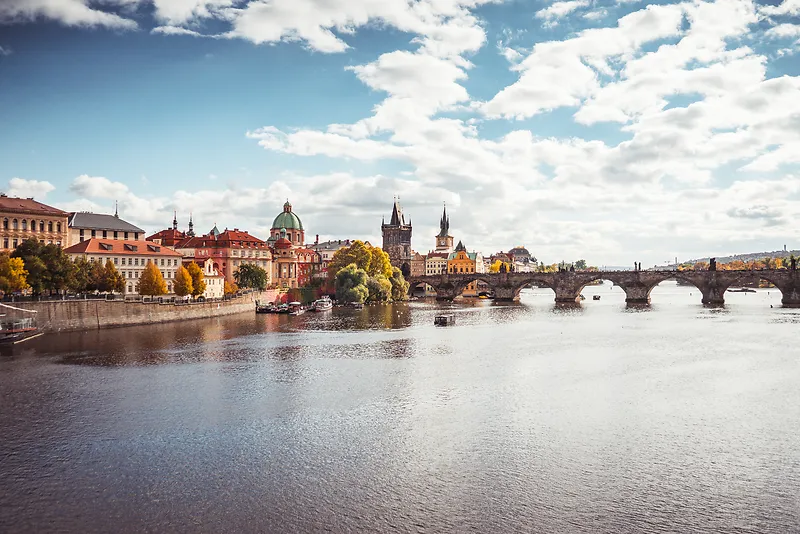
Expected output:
(114, 247)
(28, 205)
(166, 234)
(223, 240)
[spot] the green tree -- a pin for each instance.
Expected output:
(198, 279)
(12, 274)
(399, 285)
(351, 284)
(357, 253)
(379, 288)
(183, 282)
(81, 268)
(152, 281)
(580, 265)
(252, 276)
(48, 266)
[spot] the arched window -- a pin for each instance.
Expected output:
(24, 225)
(5, 224)
(58, 227)
(50, 226)
(14, 225)
(33, 225)
(41, 226)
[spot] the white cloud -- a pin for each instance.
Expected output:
(20, 187)
(177, 30)
(787, 7)
(5, 51)
(561, 9)
(98, 187)
(783, 30)
(67, 12)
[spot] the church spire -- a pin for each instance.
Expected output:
(444, 224)
(190, 233)
(397, 213)
(116, 209)
(175, 220)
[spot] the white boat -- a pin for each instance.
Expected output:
(296, 308)
(323, 304)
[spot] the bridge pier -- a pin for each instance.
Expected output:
(508, 294)
(637, 294)
(567, 295)
(791, 296)
(713, 295)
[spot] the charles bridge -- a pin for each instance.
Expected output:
(637, 284)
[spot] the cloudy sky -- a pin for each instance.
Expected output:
(611, 130)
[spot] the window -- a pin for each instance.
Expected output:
(162, 262)
(105, 234)
(126, 235)
(41, 226)
(5, 243)
(80, 233)
(24, 225)
(14, 224)
(130, 288)
(136, 236)
(49, 226)
(14, 243)
(5, 224)
(116, 261)
(115, 234)
(58, 227)
(33, 225)
(94, 233)
(136, 261)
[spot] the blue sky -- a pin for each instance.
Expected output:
(614, 131)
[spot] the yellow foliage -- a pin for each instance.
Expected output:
(152, 282)
(13, 276)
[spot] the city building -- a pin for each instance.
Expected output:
(170, 237)
(25, 218)
(462, 262)
(327, 249)
(293, 263)
(215, 282)
(84, 225)
(444, 241)
(130, 258)
(397, 239)
(229, 250)
(436, 263)
(289, 221)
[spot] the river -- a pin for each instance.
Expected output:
(522, 417)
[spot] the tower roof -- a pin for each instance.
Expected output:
(287, 219)
(397, 214)
(460, 247)
(444, 224)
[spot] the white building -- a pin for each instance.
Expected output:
(215, 282)
(130, 258)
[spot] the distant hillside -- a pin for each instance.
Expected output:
(751, 256)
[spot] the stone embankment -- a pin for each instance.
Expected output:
(76, 315)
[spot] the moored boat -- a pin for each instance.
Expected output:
(16, 330)
(296, 308)
(323, 304)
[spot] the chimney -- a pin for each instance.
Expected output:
(316, 241)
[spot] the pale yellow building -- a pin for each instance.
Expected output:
(25, 218)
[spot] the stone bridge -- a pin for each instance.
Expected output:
(636, 284)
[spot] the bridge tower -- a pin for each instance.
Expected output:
(444, 241)
(397, 239)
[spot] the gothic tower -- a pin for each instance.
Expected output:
(397, 239)
(444, 241)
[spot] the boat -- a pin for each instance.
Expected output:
(742, 290)
(595, 297)
(582, 297)
(323, 304)
(264, 308)
(357, 305)
(296, 308)
(18, 330)
(444, 319)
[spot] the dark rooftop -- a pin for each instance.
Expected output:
(100, 221)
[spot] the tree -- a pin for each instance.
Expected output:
(152, 282)
(12, 274)
(48, 266)
(399, 285)
(252, 276)
(379, 288)
(113, 280)
(81, 268)
(495, 267)
(97, 274)
(357, 253)
(351, 284)
(198, 279)
(580, 265)
(230, 288)
(379, 263)
(183, 282)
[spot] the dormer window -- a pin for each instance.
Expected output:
(153, 248)
(106, 246)
(132, 248)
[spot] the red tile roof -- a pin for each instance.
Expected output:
(112, 247)
(28, 205)
(223, 240)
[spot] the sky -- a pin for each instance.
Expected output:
(610, 130)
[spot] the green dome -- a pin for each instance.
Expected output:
(287, 219)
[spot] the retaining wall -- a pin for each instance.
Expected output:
(73, 315)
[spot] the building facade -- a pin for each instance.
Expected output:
(229, 250)
(215, 282)
(289, 221)
(397, 239)
(171, 237)
(25, 218)
(462, 262)
(84, 225)
(130, 258)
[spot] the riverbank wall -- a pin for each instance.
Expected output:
(77, 315)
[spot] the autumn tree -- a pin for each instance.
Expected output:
(379, 263)
(230, 288)
(112, 280)
(151, 282)
(81, 269)
(379, 288)
(358, 254)
(183, 282)
(198, 279)
(12, 274)
(351, 284)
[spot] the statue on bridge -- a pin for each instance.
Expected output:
(793, 263)
(712, 264)
(502, 267)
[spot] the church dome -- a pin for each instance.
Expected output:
(287, 219)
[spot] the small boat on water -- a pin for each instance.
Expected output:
(265, 308)
(742, 290)
(16, 330)
(357, 305)
(296, 308)
(323, 304)
(444, 319)
(595, 297)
